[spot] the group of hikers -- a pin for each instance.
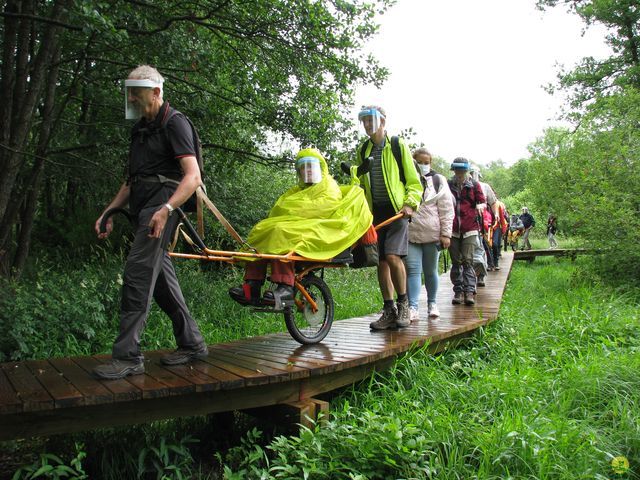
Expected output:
(316, 218)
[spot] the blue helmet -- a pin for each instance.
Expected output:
(460, 163)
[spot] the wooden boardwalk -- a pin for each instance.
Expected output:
(58, 395)
(531, 255)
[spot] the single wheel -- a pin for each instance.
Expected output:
(305, 325)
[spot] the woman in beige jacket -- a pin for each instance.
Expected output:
(429, 232)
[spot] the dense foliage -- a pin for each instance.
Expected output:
(257, 78)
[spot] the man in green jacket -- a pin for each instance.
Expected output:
(392, 185)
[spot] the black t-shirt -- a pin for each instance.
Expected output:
(155, 151)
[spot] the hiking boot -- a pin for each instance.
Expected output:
(248, 293)
(386, 320)
(433, 310)
(184, 355)
(414, 313)
(469, 298)
(403, 319)
(283, 291)
(117, 369)
(480, 282)
(458, 298)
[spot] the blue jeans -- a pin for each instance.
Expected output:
(422, 258)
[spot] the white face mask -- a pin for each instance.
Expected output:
(424, 168)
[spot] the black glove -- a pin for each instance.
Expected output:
(365, 167)
(345, 167)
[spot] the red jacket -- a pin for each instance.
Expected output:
(466, 199)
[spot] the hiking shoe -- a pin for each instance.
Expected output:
(480, 282)
(184, 355)
(403, 320)
(469, 298)
(414, 313)
(433, 310)
(386, 320)
(457, 298)
(117, 369)
(284, 291)
(248, 293)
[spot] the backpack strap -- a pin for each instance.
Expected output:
(363, 150)
(397, 154)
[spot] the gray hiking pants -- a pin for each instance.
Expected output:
(149, 272)
(462, 274)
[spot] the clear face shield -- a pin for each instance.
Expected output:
(132, 91)
(371, 120)
(309, 170)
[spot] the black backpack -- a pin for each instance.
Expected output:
(191, 204)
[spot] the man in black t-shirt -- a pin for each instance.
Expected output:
(163, 174)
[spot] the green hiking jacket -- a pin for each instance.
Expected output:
(409, 193)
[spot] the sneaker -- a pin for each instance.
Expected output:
(480, 282)
(433, 310)
(414, 313)
(457, 298)
(184, 355)
(386, 320)
(403, 320)
(469, 298)
(117, 369)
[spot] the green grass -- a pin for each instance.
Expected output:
(550, 390)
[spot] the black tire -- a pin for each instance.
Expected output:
(305, 326)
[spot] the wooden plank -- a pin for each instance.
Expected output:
(64, 394)
(9, 400)
(93, 392)
(30, 392)
(77, 419)
(279, 358)
(275, 372)
(176, 384)
(249, 376)
(148, 386)
(121, 390)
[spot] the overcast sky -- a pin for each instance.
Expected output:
(467, 75)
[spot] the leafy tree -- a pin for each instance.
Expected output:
(255, 76)
(589, 178)
(596, 77)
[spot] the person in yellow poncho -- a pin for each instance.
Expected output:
(316, 219)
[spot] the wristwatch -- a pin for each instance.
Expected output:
(169, 207)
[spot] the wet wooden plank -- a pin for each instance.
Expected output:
(275, 372)
(29, 390)
(121, 390)
(62, 391)
(93, 392)
(149, 387)
(9, 400)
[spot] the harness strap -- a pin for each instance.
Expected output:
(203, 196)
(156, 178)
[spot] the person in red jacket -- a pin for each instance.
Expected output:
(469, 205)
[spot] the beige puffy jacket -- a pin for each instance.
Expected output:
(434, 218)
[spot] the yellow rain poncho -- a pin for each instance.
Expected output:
(317, 222)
